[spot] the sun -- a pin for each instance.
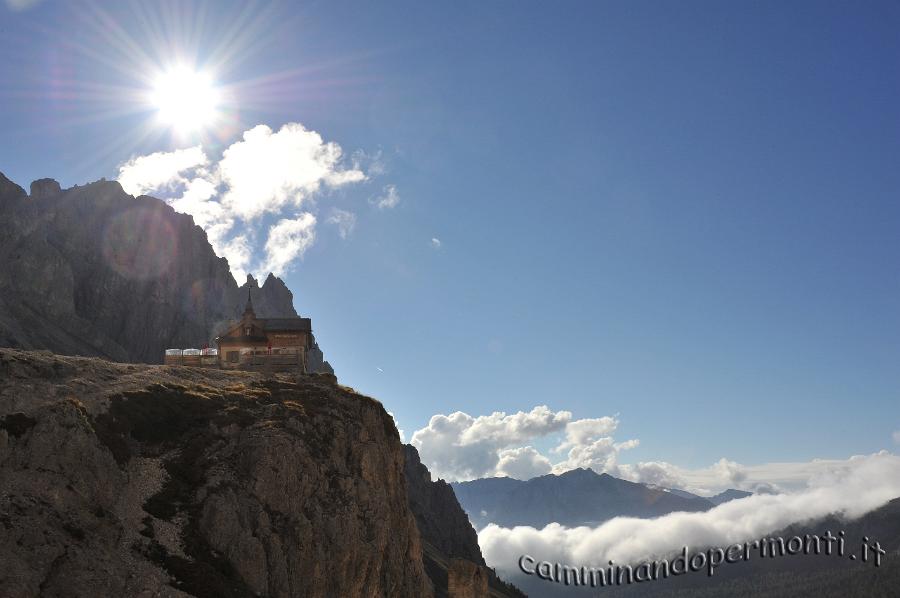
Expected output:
(185, 99)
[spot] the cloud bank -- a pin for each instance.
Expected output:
(257, 203)
(461, 447)
(851, 488)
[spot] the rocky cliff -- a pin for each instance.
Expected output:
(452, 557)
(135, 480)
(122, 479)
(94, 271)
(441, 520)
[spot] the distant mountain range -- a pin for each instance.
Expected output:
(584, 497)
(577, 497)
(722, 497)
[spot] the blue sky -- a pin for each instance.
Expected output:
(682, 214)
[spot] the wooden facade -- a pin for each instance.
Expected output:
(259, 343)
(251, 343)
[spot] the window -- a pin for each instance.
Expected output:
(233, 356)
(247, 331)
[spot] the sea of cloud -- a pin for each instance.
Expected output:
(851, 489)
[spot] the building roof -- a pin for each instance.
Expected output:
(268, 325)
(292, 324)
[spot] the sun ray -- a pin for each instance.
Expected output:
(130, 66)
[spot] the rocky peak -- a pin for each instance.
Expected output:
(271, 300)
(276, 284)
(120, 277)
(9, 190)
(44, 188)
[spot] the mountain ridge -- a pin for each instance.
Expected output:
(579, 496)
(93, 271)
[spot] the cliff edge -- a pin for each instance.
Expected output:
(135, 480)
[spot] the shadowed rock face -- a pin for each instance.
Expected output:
(132, 480)
(44, 188)
(9, 191)
(452, 556)
(466, 580)
(94, 271)
(441, 520)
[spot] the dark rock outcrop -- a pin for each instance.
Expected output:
(94, 271)
(44, 188)
(273, 298)
(134, 480)
(9, 191)
(440, 518)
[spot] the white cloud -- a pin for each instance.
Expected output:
(265, 172)
(388, 199)
(159, 170)
(733, 473)
(522, 463)
(599, 454)
(288, 240)
(461, 447)
(896, 437)
(583, 431)
(435, 243)
(860, 485)
(238, 253)
(344, 220)
(654, 473)
(724, 474)
(503, 430)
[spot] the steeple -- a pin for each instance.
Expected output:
(248, 310)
